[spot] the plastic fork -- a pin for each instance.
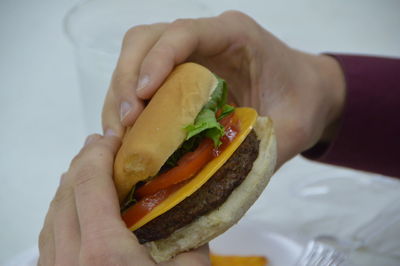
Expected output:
(325, 250)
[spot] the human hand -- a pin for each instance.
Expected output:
(302, 93)
(83, 225)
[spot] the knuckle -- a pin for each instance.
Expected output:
(100, 255)
(240, 19)
(57, 200)
(63, 178)
(184, 24)
(167, 48)
(159, 56)
(234, 14)
(163, 51)
(102, 151)
(92, 138)
(242, 23)
(85, 162)
(63, 194)
(135, 31)
(77, 159)
(43, 238)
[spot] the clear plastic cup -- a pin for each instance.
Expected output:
(96, 29)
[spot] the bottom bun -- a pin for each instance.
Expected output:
(209, 226)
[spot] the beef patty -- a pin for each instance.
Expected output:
(208, 197)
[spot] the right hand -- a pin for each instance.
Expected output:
(302, 93)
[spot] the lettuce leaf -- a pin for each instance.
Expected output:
(206, 123)
(218, 97)
(226, 110)
(129, 201)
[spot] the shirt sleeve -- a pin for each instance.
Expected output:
(368, 137)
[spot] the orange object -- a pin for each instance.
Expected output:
(225, 260)
(187, 167)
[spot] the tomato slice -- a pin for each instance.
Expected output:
(229, 120)
(187, 167)
(192, 162)
(136, 212)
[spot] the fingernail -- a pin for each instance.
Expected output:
(143, 82)
(110, 133)
(126, 107)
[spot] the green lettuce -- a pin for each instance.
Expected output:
(129, 200)
(218, 97)
(206, 123)
(226, 110)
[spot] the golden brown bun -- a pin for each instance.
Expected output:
(159, 130)
(218, 221)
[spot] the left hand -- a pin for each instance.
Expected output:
(83, 225)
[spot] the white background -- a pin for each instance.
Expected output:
(41, 115)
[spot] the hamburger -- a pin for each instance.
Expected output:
(191, 165)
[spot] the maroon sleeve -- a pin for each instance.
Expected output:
(369, 134)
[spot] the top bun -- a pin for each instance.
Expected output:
(159, 130)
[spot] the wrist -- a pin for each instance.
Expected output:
(333, 84)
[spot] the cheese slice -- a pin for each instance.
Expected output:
(247, 118)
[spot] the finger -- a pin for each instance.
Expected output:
(103, 233)
(66, 225)
(46, 241)
(94, 190)
(47, 238)
(182, 39)
(88, 140)
(111, 115)
(137, 42)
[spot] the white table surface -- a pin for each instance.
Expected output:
(42, 125)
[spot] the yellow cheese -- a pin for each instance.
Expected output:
(247, 118)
